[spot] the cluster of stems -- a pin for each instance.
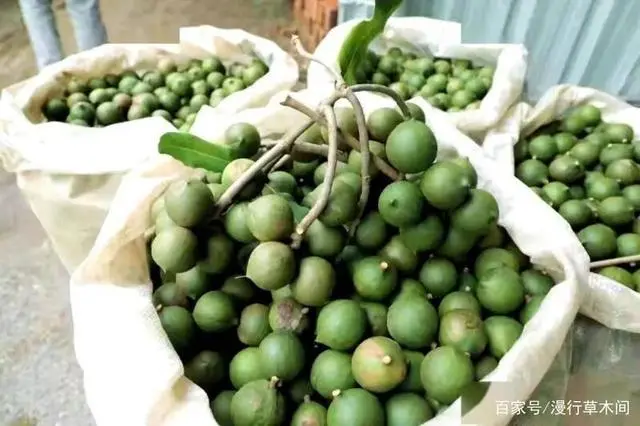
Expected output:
(279, 153)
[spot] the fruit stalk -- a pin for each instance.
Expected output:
(382, 165)
(332, 160)
(615, 261)
(404, 109)
(273, 154)
(310, 148)
(365, 158)
(297, 44)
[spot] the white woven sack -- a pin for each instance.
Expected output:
(69, 174)
(606, 301)
(134, 378)
(438, 38)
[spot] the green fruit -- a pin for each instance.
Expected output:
(445, 372)
(99, 96)
(376, 317)
(245, 367)
(423, 236)
(170, 294)
(178, 325)
(412, 322)
(439, 276)
(412, 288)
(536, 283)
(412, 382)
(468, 167)
(372, 231)
(456, 245)
(458, 300)
(589, 114)
(468, 282)
(478, 214)
(565, 142)
(194, 282)
(532, 172)
(500, 290)
(315, 282)
(286, 314)
(271, 265)
(244, 138)
(530, 308)
(399, 255)
(628, 244)
(254, 324)
(300, 390)
(616, 211)
(401, 203)
(355, 407)
(108, 113)
(82, 111)
(577, 213)
(281, 355)
(404, 409)
(221, 408)
(341, 324)
(416, 112)
(543, 148)
(463, 330)
(493, 258)
(586, 153)
(618, 274)
(174, 249)
(599, 241)
(617, 132)
(625, 171)
(600, 187)
(280, 182)
(502, 333)
(484, 366)
(188, 203)
(566, 168)
(258, 403)
(401, 89)
(270, 218)
(342, 206)
(234, 170)
(235, 223)
(445, 185)
(556, 193)
(323, 241)
(632, 194)
(218, 255)
(411, 147)
(373, 278)
(331, 373)
(616, 151)
(378, 364)
(309, 413)
(321, 170)
(494, 237)
(206, 369)
(382, 122)
(215, 312)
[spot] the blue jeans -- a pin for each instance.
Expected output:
(86, 20)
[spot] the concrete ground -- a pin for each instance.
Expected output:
(40, 382)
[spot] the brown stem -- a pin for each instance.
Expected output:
(311, 148)
(297, 44)
(615, 261)
(384, 90)
(273, 154)
(365, 158)
(281, 162)
(353, 143)
(323, 198)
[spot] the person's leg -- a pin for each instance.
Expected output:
(87, 23)
(41, 26)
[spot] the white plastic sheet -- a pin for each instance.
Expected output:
(606, 301)
(69, 174)
(438, 38)
(133, 377)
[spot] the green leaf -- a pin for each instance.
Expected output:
(195, 152)
(355, 47)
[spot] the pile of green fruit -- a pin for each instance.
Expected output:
(174, 92)
(385, 320)
(588, 171)
(448, 84)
